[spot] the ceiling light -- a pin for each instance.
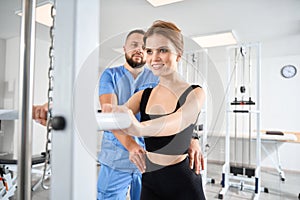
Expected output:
(216, 39)
(43, 13)
(157, 3)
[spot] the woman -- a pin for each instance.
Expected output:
(168, 115)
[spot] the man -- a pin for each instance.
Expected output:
(121, 156)
(39, 113)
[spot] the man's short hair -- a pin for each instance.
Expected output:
(140, 31)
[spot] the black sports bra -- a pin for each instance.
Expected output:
(176, 144)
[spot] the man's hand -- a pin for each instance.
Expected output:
(196, 156)
(39, 113)
(137, 156)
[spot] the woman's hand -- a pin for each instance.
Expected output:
(196, 156)
(134, 129)
(137, 156)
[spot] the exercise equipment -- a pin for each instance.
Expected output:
(244, 176)
(9, 169)
(108, 121)
(274, 137)
(72, 49)
(23, 166)
(9, 173)
(50, 119)
(27, 57)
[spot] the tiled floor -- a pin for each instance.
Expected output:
(278, 190)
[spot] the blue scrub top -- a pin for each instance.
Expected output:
(119, 81)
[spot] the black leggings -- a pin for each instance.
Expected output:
(174, 182)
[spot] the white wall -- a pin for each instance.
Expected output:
(2, 69)
(280, 96)
(11, 92)
(2, 86)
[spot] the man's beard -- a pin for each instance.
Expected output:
(133, 63)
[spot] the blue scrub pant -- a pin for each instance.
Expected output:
(114, 184)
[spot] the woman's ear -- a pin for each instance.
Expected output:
(178, 58)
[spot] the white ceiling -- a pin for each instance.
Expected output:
(10, 23)
(274, 23)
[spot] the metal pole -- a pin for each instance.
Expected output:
(258, 120)
(27, 47)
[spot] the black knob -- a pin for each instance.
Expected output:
(243, 89)
(58, 123)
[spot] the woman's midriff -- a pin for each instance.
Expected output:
(165, 160)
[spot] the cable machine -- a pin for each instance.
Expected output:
(243, 120)
(76, 49)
